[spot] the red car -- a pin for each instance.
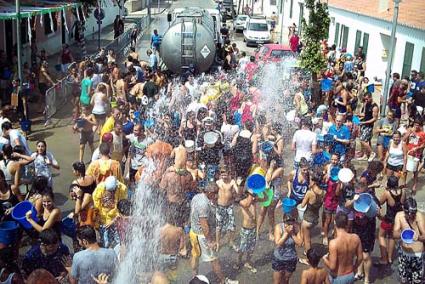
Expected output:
(273, 53)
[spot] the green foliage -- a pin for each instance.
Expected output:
(315, 30)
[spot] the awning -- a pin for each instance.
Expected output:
(28, 9)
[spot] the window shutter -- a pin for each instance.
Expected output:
(357, 42)
(365, 43)
(345, 37)
(408, 56)
(336, 34)
(422, 68)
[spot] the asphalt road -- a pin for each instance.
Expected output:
(64, 145)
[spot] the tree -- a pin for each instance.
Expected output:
(314, 31)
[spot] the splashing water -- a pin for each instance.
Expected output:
(143, 246)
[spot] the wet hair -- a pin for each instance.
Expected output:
(7, 258)
(124, 207)
(49, 193)
(19, 149)
(7, 150)
(341, 220)
(249, 125)
(396, 75)
(317, 175)
(392, 182)
(86, 233)
(252, 58)
(418, 121)
(104, 149)
(45, 146)
(79, 167)
(313, 257)
(375, 166)
(304, 163)
(6, 125)
(49, 237)
(41, 276)
(306, 122)
(5, 185)
(39, 184)
(410, 206)
(89, 72)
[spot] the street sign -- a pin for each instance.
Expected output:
(99, 22)
(205, 51)
(99, 14)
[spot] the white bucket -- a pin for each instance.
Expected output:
(210, 138)
(412, 164)
(189, 145)
(301, 211)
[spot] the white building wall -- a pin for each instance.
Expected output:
(379, 41)
(111, 11)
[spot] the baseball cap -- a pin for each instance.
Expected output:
(110, 183)
(107, 137)
(208, 120)
(199, 279)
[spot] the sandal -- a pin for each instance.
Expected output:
(303, 261)
(250, 267)
(358, 277)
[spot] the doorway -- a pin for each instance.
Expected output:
(8, 36)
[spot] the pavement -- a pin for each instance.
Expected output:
(64, 144)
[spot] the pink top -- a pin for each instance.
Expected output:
(330, 200)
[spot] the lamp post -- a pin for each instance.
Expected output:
(390, 59)
(281, 21)
(18, 38)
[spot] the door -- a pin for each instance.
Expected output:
(407, 62)
(8, 34)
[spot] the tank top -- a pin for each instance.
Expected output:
(9, 278)
(299, 189)
(303, 105)
(87, 188)
(189, 133)
(311, 213)
(331, 200)
(392, 210)
(396, 155)
(99, 104)
(243, 148)
(286, 252)
(341, 108)
(57, 226)
(8, 176)
(368, 113)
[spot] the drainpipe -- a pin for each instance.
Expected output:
(18, 38)
(390, 59)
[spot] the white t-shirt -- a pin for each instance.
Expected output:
(304, 139)
(228, 132)
(15, 134)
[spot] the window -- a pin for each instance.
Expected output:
(357, 42)
(258, 27)
(272, 2)
(300, 20)
(24, 30)
(344, 36)
(408, 56)
(281, 53)
(336, 34)
(46, 23)
(422, 68)
(365, 44)
(290, 9)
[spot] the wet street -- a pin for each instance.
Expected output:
(64, 144)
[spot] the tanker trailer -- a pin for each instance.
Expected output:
(189, 42)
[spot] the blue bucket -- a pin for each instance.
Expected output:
(69, 228)
(149, 123)
(326, 85)
(371, 88)
(19, 211)
(257, 183)
(8, 232)
(267, 147)
(365, 204)
(127, 128)
(334, 173)
(25, 125)
(329, 139)
(288, 205)
(407, 236)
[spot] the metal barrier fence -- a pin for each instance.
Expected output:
(58, 95)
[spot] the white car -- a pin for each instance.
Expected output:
(257, 31)
(240, 22)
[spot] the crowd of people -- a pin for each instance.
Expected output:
(205, 135)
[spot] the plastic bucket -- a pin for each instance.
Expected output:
(412, 164)
(288, 205)
(19, 211)
(69, 228)
(365, 204)
(407, 236)
(301, 211)
(8, 232)
(267, 147)
(210, 138)
(257, 183)
(25, 125)
(356, 120)
(334, 173)
(326, 85)
(371, 88)
(269, 193)
(127, 128)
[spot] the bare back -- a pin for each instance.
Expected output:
(346, 246)
(170, 237)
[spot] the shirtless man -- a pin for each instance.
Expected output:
(175, 183)
(315, 274)
(411, 256)
(343, 250)
(172, 244)
(227, 191)
(248, 233)
(180, 157)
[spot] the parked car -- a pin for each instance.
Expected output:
(274, 53)
(240, 22)
(257, 31)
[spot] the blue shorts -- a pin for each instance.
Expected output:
(284, 265)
